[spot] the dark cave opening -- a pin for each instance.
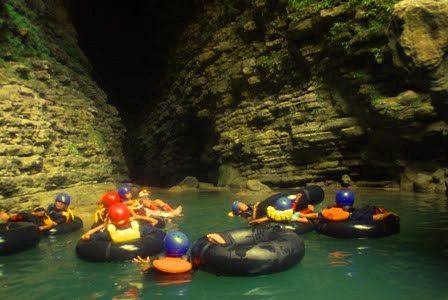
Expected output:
(129, 46)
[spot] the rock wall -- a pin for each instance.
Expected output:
(291, 92)
(56, 128)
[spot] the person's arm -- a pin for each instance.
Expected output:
(147, 219)
(259, 220)
(254, 211)
(47, 227)
(311, 216)
(302, 220)
(382, 216)
(86, 236)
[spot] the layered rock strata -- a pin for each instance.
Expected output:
(56, 127)
(288, 93)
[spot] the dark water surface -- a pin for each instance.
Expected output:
(410, 265)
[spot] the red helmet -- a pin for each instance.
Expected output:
(110, 198)
(118, 213)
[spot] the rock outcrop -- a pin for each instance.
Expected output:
(57, 128)
(291, 92)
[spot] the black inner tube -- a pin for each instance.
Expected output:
(249, 251)
(100, 251)
(356, 229)
(74, 225)
(18, 236)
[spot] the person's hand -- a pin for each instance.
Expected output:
(85, 237)
(256, 204)
(298, 197)
(143, 263)
(216, 238)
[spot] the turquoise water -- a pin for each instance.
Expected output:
(410, 265)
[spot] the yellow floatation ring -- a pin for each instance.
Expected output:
(124, 235)
(279, 215)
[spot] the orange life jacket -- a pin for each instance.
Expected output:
(335, 214)
(172, 265)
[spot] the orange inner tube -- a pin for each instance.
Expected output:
(172, 265)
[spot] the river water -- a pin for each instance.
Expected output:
(410, 265)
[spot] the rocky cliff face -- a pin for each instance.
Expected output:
(291, 92)
(56, 126)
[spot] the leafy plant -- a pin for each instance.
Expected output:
(271, 62)
(377, 54)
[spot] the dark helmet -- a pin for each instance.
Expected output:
(345, 197)
(123, 190)
(283, 203)
(63, 198)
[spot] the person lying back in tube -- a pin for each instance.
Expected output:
(344, 210)
(156, 207)
(120, 226)
(288, 209)
(57, 213)
(243, 210)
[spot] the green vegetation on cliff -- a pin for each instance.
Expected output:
(20, 37)
(370, 22)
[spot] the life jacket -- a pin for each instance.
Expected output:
(46, 220)
(172, 265)
(335, 214)
(279, 215)
(100, 215)
(60, 216)
(124, 235)
(69, 215)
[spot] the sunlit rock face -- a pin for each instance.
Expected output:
(286, 92)
(56, 127)
(291, 92)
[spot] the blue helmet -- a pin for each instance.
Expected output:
(345, 197)
(123, 190)
(175, 244)
(63, 198)
(283, 203)
(235, 208)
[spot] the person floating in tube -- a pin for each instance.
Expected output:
(288, 209)
(107, 200)
(344, 210)
(56, 213)
(156, 207)
(174, 267)
(120, 226)
(244, 210)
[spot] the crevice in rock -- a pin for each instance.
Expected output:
(129, 46)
